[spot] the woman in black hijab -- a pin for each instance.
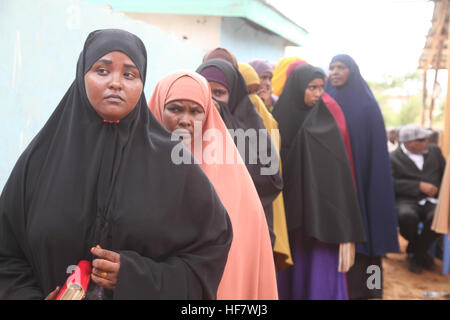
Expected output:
(100, 173)
(239, 115)
(322, 211)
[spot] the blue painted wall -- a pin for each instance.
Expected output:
(40, 42)
(248, 43)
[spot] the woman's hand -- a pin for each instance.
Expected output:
(52, 295)
(105, 270)
(265, 96)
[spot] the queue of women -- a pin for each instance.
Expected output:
(99, 183)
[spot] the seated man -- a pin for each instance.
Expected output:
(417, 169)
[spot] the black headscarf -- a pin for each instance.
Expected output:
(240, 113)
(319, 192)
(83, 181)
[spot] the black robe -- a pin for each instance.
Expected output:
(319, 191)
(407, 176)
(240, 113)
(83, 182)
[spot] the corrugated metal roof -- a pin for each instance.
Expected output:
(436, 43)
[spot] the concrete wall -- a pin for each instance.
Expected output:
(245, 40)
(203, 31)
(248, 43)
(40, 42)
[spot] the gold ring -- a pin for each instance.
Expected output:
(104, 274)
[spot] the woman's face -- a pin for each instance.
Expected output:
(313, 92)
(253, 88)
(219, 91)
(181, 115)
(266, 80)
(113, 86)
(338, 74)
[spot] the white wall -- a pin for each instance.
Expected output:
(40, 42)
(204, 31)
(248, 43)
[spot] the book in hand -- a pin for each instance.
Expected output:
(77, 283)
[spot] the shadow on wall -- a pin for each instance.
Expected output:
(43, 41)
(248, 41)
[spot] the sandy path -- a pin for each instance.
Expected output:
(401, 284)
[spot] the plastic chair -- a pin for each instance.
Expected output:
(446, 255)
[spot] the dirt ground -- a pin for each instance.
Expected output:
(401, 284)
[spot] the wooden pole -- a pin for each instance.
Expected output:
(433, 97)
(424, 96)
(437, 33)
(445, 135)
(435, 41)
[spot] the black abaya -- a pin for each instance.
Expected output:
(319, 193)
(83, 182)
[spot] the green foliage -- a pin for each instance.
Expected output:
(438, 115)
(409, 111)
(390, 81)
(389, 115)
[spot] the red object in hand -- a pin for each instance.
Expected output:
(77, 283)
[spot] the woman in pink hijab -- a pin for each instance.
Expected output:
(182, 101)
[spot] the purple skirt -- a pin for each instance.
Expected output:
(314, 275)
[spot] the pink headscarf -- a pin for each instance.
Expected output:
(250, 271)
